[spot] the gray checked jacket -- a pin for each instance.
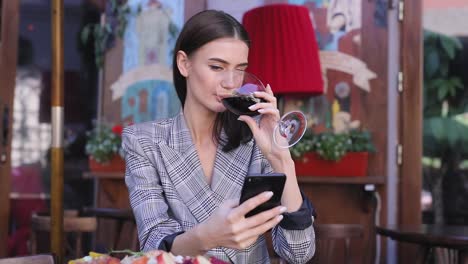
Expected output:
(169, 193)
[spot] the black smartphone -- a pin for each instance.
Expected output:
(255, 184)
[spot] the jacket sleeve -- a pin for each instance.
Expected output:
(156, 229)
(294, 237)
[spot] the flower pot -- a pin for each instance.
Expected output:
(353, 164)
(116, 164)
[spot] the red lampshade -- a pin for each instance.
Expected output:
(284, 51)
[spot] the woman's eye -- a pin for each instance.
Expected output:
(216, 67)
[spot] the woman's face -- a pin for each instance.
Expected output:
(209, 68)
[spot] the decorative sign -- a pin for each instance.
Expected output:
(144, 73)
(149, 100)
(348, 64)
(145, 88)
(146, 93)
(337, 25)
(150, 34)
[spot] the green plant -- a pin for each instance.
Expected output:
(333, 146)
(105, 33)
(114, 26)
(104, 142)
(441, 85)
(445, 139)
(361, 140)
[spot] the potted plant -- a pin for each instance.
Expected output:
(445, 141)
(333, 154)
(104, 148)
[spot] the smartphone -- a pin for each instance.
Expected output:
(255, 184)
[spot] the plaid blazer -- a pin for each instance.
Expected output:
(169, 193)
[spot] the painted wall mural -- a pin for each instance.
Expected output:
(338, 30)
(145, 87)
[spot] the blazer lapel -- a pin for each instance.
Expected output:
(183, 166)
(185, 171)
(230, 170)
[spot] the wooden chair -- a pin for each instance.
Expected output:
(72, 223)
(446, 256)
(34, 259)
(328, 236)
(122, 218)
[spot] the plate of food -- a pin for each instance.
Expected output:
(150, 257)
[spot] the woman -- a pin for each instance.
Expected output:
(184, 174)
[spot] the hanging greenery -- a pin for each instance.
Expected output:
(105, 34)
(117, 13)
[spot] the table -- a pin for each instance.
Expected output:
(430, 236)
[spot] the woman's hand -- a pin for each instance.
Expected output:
(263, 132)
(228, 226)
(279, 158)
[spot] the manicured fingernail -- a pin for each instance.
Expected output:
(268, 194)
(283, 209)
(279, 218)
(252, 107)
(261, 111)
(240, 119)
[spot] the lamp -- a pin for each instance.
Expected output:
(284, 51)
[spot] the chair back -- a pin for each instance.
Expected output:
(121, 222)
(330, 236)
(72, 223)
(34, 259)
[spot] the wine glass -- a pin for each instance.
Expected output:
(237, 94)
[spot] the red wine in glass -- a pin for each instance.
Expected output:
(239, 105)
(239, 95)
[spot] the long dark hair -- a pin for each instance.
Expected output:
(200, 29)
